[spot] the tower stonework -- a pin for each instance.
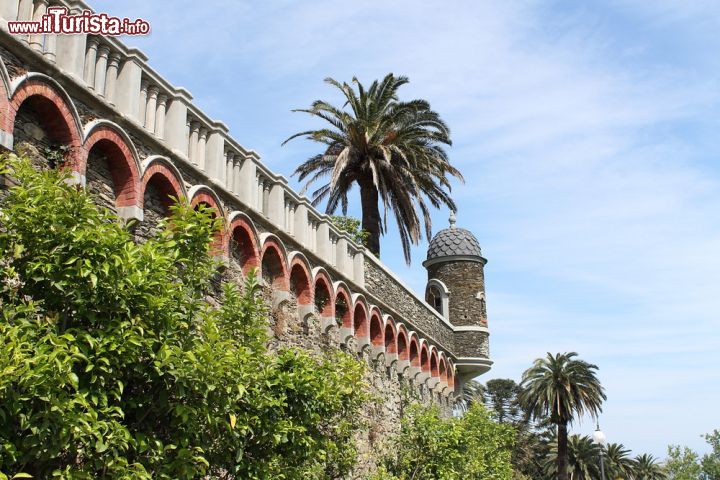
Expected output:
(456, 289)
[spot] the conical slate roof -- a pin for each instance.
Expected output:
(453, 241)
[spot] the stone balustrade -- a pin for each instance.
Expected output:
(121, 76)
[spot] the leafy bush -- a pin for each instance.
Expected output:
(470, 447)
(114, 365)
(352, 226)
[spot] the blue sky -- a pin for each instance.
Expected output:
(588, 134)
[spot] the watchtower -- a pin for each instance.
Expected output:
(456, 289)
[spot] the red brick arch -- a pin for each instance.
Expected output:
(443, 368)
(360, 318)
(425, 358)
(343, 294)
(390, 336)
(414, 354)
(161, 174)
(451, 376)
(203, 195)
(301, 280)
(59, 116)
(377, 334)
(434, 364)
(324, 288)
(242, 239)
(273, 263)
(121, 160)
(403, 346)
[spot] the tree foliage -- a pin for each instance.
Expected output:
(113, 364)
(469, 447)
(502, 399)
(392, 149)
(682, 463)
(352, 226)
(711, 461)
(501, 396)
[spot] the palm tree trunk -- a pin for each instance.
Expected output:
(562, 457)
(370, 215)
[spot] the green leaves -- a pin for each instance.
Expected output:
(352, 226)
(470, 447)
(682, 463)
(711, 461)
(114, 365)
(562, 388)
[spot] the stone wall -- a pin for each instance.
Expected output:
(472, 344)
(155, 210)
(99, 183)
(403, 305)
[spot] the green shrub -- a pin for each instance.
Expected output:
(114, 365)
(469, 447)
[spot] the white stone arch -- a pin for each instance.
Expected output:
(434, 379)
(270, 240)
(414, 371)
(440, 287)
(5, 78)
(444, 366)
(6, 139)
(199, 189)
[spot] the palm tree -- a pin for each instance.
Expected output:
(473, 392)
(392, 150)
(561, 387)
(648, 468)
(582, 459)
(618, 463)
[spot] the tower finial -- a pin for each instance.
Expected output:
(452, 218)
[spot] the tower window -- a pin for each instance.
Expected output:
(434, 298)
(437, 296)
